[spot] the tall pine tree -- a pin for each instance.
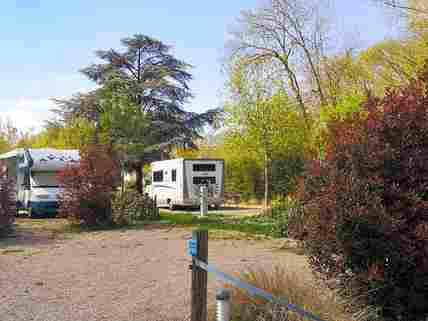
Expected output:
(157, 84)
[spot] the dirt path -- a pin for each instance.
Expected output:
(116, 276)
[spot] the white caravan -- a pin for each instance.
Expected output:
(177, 182)
(34, 172)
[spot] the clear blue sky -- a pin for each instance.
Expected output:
(45, 42)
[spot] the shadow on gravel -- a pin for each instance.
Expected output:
(25, 238)
(27, 232)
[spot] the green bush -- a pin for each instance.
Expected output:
(130, 207)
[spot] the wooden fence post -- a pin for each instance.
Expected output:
(200, 279)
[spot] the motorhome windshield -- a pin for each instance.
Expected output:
(44, 179)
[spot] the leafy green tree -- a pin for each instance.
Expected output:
(73, 135)
(387, 64)
(343, 75)
(4, 145)
(392, 63)
(156, 83)
(264, 119)
(122, 122)
(116, 120)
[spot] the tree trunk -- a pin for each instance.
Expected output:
(122, 178)
(95, 133)
(266, 178)
(139, 174)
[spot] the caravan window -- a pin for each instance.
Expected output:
(174, 175)
(203, 180)
(204, 167)
(158, 176)
(44, 179)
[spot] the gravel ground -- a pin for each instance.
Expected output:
(116, 275)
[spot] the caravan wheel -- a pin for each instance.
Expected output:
(171, 206)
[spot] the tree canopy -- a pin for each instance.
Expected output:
(140, 101)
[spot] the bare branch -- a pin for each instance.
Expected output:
(289, 32)
(396, 4)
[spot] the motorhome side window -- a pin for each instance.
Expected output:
(174, 175)
(204, 167)
(158, 176)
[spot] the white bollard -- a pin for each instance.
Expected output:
(204, 200)
(223, 305)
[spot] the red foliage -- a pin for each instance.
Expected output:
(88, 187)
(366, 208)
(7, 204)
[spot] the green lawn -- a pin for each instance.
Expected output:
(255, 224)
(219, 224)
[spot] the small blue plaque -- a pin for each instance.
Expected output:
(193, 247)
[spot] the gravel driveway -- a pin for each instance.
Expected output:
(116, 275)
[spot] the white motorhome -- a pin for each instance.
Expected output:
(177, 182)
(34, 173)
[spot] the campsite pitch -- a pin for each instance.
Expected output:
(116, 275)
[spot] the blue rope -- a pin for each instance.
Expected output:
(254, 290)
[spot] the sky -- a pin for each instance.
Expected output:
(44, 44)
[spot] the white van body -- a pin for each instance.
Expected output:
(177, 182)
(34, 173)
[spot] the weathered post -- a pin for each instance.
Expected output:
(199, 277)
(204, 200)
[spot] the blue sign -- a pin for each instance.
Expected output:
(192, 247)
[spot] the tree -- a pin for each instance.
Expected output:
(156, 83)
(290, 34)
(414, 6)
(418, 19)
(9, 131)
(343, 75)
(73, 135)
(389, 63)
(392, 63)
(121, 121)
(414, 11)
(264, 119)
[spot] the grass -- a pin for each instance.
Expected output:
(293, 286)
(247, 224)
(219, 225)
(55, 226)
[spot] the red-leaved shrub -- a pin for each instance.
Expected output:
(366, 203)
(7, 205)
(88, 187)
